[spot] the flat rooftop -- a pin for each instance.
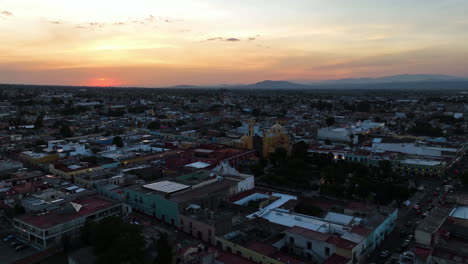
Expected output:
(460, 212)
(421, 162)
(87, 206)
(166, 187)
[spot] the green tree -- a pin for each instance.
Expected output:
(65, 131)
(118, 141)
(330, 121)
(115, 241)
(38, 122)
(464, 178)
(18, 209)
(154, 125)
(163, 249)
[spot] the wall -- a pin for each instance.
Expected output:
(244, 252)
(154, 205)
(192, 226)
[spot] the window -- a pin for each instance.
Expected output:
(309, 245)
(327, 251)
(291, 240)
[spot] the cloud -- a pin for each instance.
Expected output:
(252, 39)
(55, 22)
(6, 13)
(91, 25)
(222, 39)
(212, 39)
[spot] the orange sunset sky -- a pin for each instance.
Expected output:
(211, 42)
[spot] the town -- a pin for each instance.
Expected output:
(233, 176)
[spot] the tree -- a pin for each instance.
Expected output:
(115, 241)
(18, 209)
(464, 178)
(154, 125)
(363, 106)
(163, 249)
(118, 141)
(38, 122)
(65, 131)
(330, 121)
(300, 150)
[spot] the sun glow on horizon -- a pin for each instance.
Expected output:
(103, 82)
(154, 43)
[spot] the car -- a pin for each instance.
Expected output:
(435, 193)
(14, 244)
(20, 247)
(418, 212)
(416, 207)
(8, 238)
(403, 233)
(384, 254)
(426, 213)
(410, 237)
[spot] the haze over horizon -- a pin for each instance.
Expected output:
(165, 43)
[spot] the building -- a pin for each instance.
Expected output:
(337, 134)
(275, 137)
(46, 229)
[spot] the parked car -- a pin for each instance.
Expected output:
(8, 238)
(384, 254)
(15, 244)
(20, 247)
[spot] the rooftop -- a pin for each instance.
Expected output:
(87, 206)
(166, 187)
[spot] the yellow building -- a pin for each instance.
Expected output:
(274, 138)
(246, 142)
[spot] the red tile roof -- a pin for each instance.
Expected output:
(361, 231)
(264, 249)
(422, 252)
(341, 242)
(286, 258)
(309, 233)
(90, 205)
(229, 258)
(336, 259)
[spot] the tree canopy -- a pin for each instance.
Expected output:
(115, 241)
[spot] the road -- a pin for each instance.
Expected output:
(408, 218)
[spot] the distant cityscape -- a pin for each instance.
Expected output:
(270, 173)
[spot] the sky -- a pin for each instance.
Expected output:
(156, 43)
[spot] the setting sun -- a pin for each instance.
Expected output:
(102, 82)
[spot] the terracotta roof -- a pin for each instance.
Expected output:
(336, 259)
(341, 243)
(90, 205)
(264, 249)
(229, 258)
(309, 233)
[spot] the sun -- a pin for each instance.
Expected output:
(103, 82)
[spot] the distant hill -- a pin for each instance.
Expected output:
(396, 82)
(399, 79)
(268, 84)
